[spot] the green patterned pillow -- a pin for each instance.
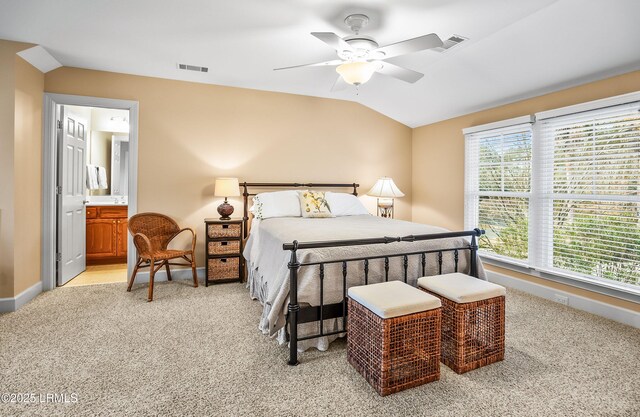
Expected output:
(313, 204)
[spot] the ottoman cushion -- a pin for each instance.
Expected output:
(461, 288)
(393, 299)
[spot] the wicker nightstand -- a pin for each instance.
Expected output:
(224, 251)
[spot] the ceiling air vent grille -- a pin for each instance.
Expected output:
(451, 42)
(192, 68)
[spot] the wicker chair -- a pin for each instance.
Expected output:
(152, 233)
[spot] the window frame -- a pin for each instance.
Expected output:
(538, 255)
(472, 189)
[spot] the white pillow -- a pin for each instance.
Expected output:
(276, 204)
(343, 204)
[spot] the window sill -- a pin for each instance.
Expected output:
(611, 290)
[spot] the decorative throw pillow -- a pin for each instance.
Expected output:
(314, 204)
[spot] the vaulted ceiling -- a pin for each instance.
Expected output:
(516, 49)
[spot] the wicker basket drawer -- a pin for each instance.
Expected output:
(223, 230)
(224, 247)
(223, 268)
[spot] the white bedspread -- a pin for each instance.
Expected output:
(269, 275)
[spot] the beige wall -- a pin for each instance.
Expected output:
(28, 175)
(21, 89)
(191, 133)
(7, 107)
(438, 159)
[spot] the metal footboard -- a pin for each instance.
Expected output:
(298, 315)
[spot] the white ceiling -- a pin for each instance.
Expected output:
(517, 49)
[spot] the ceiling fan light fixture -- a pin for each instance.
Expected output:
(360, 55)
(356, 73)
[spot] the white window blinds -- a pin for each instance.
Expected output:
(498, 187)
(589, 168)
(562, 197)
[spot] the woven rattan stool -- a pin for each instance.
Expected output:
(394, 335)
(472, 320)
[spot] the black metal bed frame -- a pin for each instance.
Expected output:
(246, 194)
(300, 315)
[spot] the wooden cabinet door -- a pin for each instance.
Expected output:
(101, 238)
(122, 236)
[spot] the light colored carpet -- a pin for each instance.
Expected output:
(198, 352)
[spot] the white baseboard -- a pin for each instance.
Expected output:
(182, 273)
(619, 314)
(10, 304)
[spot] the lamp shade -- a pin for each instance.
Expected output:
(227, 187)
(385, 188)
(357, 73)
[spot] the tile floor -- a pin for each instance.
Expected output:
(100, 274)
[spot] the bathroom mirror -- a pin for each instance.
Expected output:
(111, 152)
(119, 165)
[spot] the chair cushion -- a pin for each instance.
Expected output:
(393, 299)
(461, 288)
(161, 255)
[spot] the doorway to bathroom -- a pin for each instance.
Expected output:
(93, 154)
(90, 178)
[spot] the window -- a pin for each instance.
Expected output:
(498, 188)
(591, 193)
(563, 197)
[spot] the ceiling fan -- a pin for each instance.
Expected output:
(361, 56)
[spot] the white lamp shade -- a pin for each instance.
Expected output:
(357, 73)
(227, 187)
(385, 188)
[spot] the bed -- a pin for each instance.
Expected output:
(300, 268)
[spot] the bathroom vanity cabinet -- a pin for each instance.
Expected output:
(106, 234)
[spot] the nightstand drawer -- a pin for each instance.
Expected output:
(223, 268)
(224, 230)
(224, 247)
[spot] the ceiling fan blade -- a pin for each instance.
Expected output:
(410, 45)
(340, 84)
(333, 40)
(317, 64)
(400, 73)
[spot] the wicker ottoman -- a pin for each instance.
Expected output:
(472, 320)
(393, 335)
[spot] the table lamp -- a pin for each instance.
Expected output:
(385, 190)
(226, 187)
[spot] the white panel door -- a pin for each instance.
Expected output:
(72, 173)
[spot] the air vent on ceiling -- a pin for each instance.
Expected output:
(193, 68)
(451, 42)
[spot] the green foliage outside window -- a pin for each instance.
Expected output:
(597, 238)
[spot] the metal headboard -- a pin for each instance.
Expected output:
(271, 185)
